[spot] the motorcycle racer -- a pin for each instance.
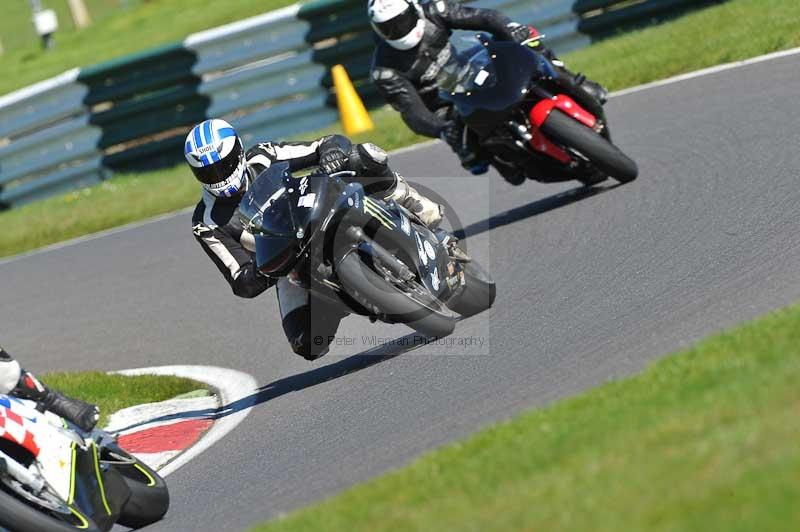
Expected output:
(217, 159)
(23, 384)
(413, 46)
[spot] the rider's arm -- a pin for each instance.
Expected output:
(234, 261)
(299, 155)
(458, 16)
(401, 94)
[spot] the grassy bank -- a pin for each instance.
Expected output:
(737, 29)
(116, 31)
(115, 392)
(706, 439)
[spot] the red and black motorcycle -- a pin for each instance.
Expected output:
(509, 98)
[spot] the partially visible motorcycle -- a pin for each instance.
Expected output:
(324, 233)
(55, 477)
(506, 95)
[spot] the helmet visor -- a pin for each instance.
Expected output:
(224, 177)
(399, 26)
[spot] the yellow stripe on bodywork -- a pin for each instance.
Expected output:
(148, 475)
(72, 476)
(84, 523)
(100, 479)
(374, 209)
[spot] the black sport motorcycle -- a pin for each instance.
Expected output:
(56, 478)
(507, 96)
(327, 235)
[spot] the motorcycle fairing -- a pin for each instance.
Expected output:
(44, 436)
(69, 464)
(566, 105)
(516, 66)
(395, 228)
(99, 494)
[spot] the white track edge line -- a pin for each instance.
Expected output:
(93, 236)
(415, 147)
(706, 71)
(232, 385)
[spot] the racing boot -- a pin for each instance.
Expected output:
(80, 413)
(511, 173)
(429, 212)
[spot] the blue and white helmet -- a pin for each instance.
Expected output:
(214, 152)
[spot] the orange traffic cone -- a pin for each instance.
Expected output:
(354, 116)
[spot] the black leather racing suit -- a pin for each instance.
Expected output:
(407, 78)
(217, 228)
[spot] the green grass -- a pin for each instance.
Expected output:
(707, 439)
(115, 392)
(116, 32)
(734, 30)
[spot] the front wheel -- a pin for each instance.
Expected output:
(605, 156)
(21, 516)
(478, 293)
(414, 306)
(149, 499)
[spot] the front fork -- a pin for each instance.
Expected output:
(369, 247)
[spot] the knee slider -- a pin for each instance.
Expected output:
(308, 347)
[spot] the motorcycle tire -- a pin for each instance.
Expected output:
(19, 516)
(478, 294)
(149, 499)
(427, 316)
(605, 156)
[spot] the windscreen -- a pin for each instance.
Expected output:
(266, 209)
(469, 71)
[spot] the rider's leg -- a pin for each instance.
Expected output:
(575, 83)
(309, 322)
(428, 211)
(27, 386)
(370, 163)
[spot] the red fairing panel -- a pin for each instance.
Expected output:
(566, 105)
(12, 428)
(542, 144)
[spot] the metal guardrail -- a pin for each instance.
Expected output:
(268, 75)
(47, 144)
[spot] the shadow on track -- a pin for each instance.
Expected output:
(301, 381)
(371, 357)
(530, 210)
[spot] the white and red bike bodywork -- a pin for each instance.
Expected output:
(55, 477)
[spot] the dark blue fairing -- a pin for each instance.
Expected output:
(514, 67)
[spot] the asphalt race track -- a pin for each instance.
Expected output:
(591, 287)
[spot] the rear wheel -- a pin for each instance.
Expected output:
(149, 500)
(412, 305)
(478, 293)
(600, 152)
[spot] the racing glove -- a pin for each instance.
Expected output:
(333, 160)
(521, 32)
